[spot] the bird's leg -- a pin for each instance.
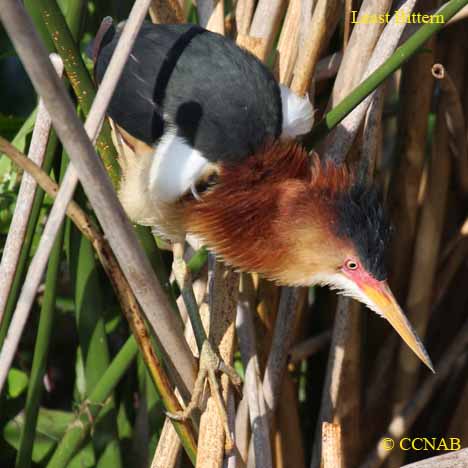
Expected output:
(210, 362)
(216, 393)
(194, 400)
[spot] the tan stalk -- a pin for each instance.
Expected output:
(455, 121)
(223, 289)
(168, 448)
(347, 22)
(358, 51)
(166, 12)
(340, 140)
(24, 202)
(324, 20)
(372, 143)
(341, 396)
(244, 14)
(252, 389)
(266, 23)
(211, 14)
(415, 97)
(289, 425)
(332, 453)
(288, 44)
(428, 238)
(242, 430)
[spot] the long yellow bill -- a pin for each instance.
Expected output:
(388, 307)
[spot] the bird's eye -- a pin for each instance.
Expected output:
(351, 265)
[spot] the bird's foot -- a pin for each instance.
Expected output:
(210, 363)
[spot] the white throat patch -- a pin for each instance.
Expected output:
(345, 287)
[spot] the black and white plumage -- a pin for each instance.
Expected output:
(199, 99)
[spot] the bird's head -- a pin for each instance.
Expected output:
(302, 222)
(352, 237)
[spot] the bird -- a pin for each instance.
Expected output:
(217, 157)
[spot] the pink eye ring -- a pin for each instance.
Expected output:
(351, 265)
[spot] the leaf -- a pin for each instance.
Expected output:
(10, 125)
(19, 142)
(51, 426)
(85, 458)
(80, 381)
(17, 382)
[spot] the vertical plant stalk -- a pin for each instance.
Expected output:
(288, 44)
(168, 448)
(23, 260)
(282, 340)
(230, 460)
(24, 203)
(359, 50)
(78, 76)
(347, 22)
(265, 24)
(333, 385)
(332, 453)
(339, 142)
(288, 437)
(427, 242)
(255, 45)
(276, 377)
(125, 295)
(166, 12)
(455, 121)
(73, 18)
(244, 14)
(223, 290)
(415, 97)
(211, 15)
(184, 280)
(242, 431)
(252, 390)
(97, 187)
(372, 136)
(324, 19)
(344, 367)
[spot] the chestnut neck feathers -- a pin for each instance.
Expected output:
(287, 216)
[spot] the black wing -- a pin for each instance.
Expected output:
(220, 98)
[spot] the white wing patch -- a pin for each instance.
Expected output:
(176, 166)
(298, 113)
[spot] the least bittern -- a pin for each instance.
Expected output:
(215, 157)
